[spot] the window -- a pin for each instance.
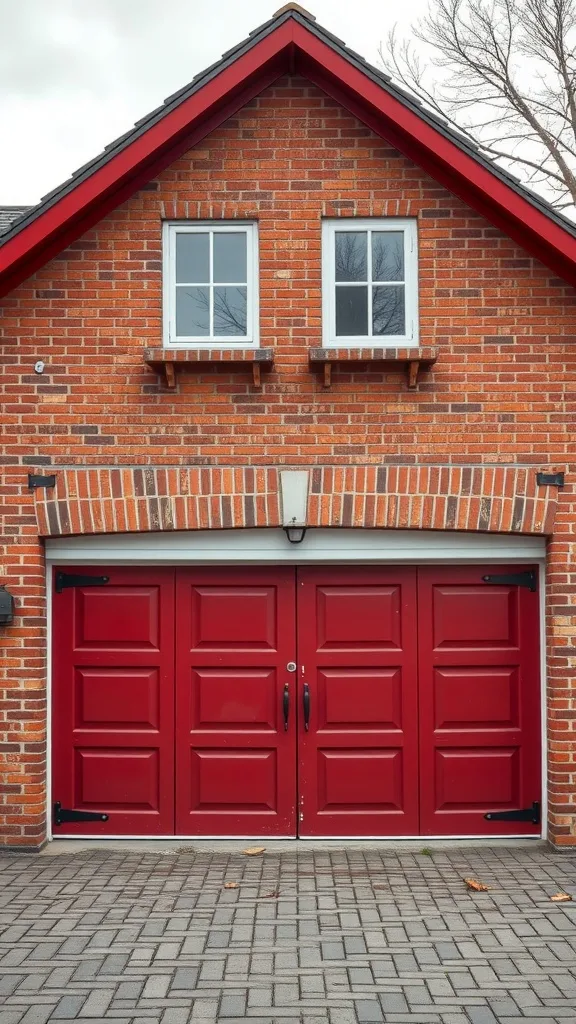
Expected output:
(210, 288)
(370, 282)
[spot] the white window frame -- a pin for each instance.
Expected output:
(170, 230)
(409, 228)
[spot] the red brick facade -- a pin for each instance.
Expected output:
(500, 397)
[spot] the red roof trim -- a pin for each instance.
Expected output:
(55, 224)
(287, 46)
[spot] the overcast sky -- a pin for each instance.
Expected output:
(74, 74)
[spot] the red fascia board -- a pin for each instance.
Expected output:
(109, 201)
(59, 218)
(463, 169)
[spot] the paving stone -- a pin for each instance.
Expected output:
(176, 1015)
(123, 937)
(393, 1002)
(233, 1006)
(186, 978)
(481, 1015)
(368, 1010)
(68, 1008)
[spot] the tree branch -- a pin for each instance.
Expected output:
(509, 63)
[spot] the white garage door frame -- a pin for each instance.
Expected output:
(320, 546)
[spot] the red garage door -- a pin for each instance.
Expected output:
(357, 658)
(235, 761)
(113, 700)
(321, 701)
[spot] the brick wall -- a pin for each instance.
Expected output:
(501, 392)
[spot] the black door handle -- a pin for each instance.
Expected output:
(286, 706)
(306, 702)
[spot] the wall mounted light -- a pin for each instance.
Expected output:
(294, 491)
(6, 607)
(295, 534)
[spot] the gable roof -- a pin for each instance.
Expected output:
(290, 42)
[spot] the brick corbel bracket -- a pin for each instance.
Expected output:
(167, 363)
(497, 499)
(414, 360)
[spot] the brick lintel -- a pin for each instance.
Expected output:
(495, 499)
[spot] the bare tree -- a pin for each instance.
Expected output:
(502, 72)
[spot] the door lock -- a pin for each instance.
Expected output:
(291, 666)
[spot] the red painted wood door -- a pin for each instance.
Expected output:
(480, 746)
(358, 760)
(113, 701)
(235, 760)
(168, 715)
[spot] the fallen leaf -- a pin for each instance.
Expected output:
(476, 886)
(561, 897)
(253, 851)
(230, 885)
(270, 895)
(379, 885)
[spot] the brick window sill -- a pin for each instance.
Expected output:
(414, 359)
(166, 363)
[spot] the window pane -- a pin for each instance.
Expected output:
(230, 256)
(192, 312)
(229, 311)
(192, 257)
(351, 255)
(388, 316)
(387, 255)
(351, 311)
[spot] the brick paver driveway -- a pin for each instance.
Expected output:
(339, 937)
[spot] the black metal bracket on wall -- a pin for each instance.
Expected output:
(550, 479)
(35, 480)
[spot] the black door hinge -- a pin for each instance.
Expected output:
(526, 814)
(550, 479)
(63, 815)
(35, 480)
(70, 579)
(518, 579)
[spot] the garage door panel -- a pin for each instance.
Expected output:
(472, 697)
(238, 617)
(235, 780)
(99, 611)
(235, 762)
(234, 699)
(357, 650)
(357, 617)
(117, 698)
(479, 700)
(353, 781)
(465, 616)
(118, 779)
(376, 704)
(113, 702)
(484, 778)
